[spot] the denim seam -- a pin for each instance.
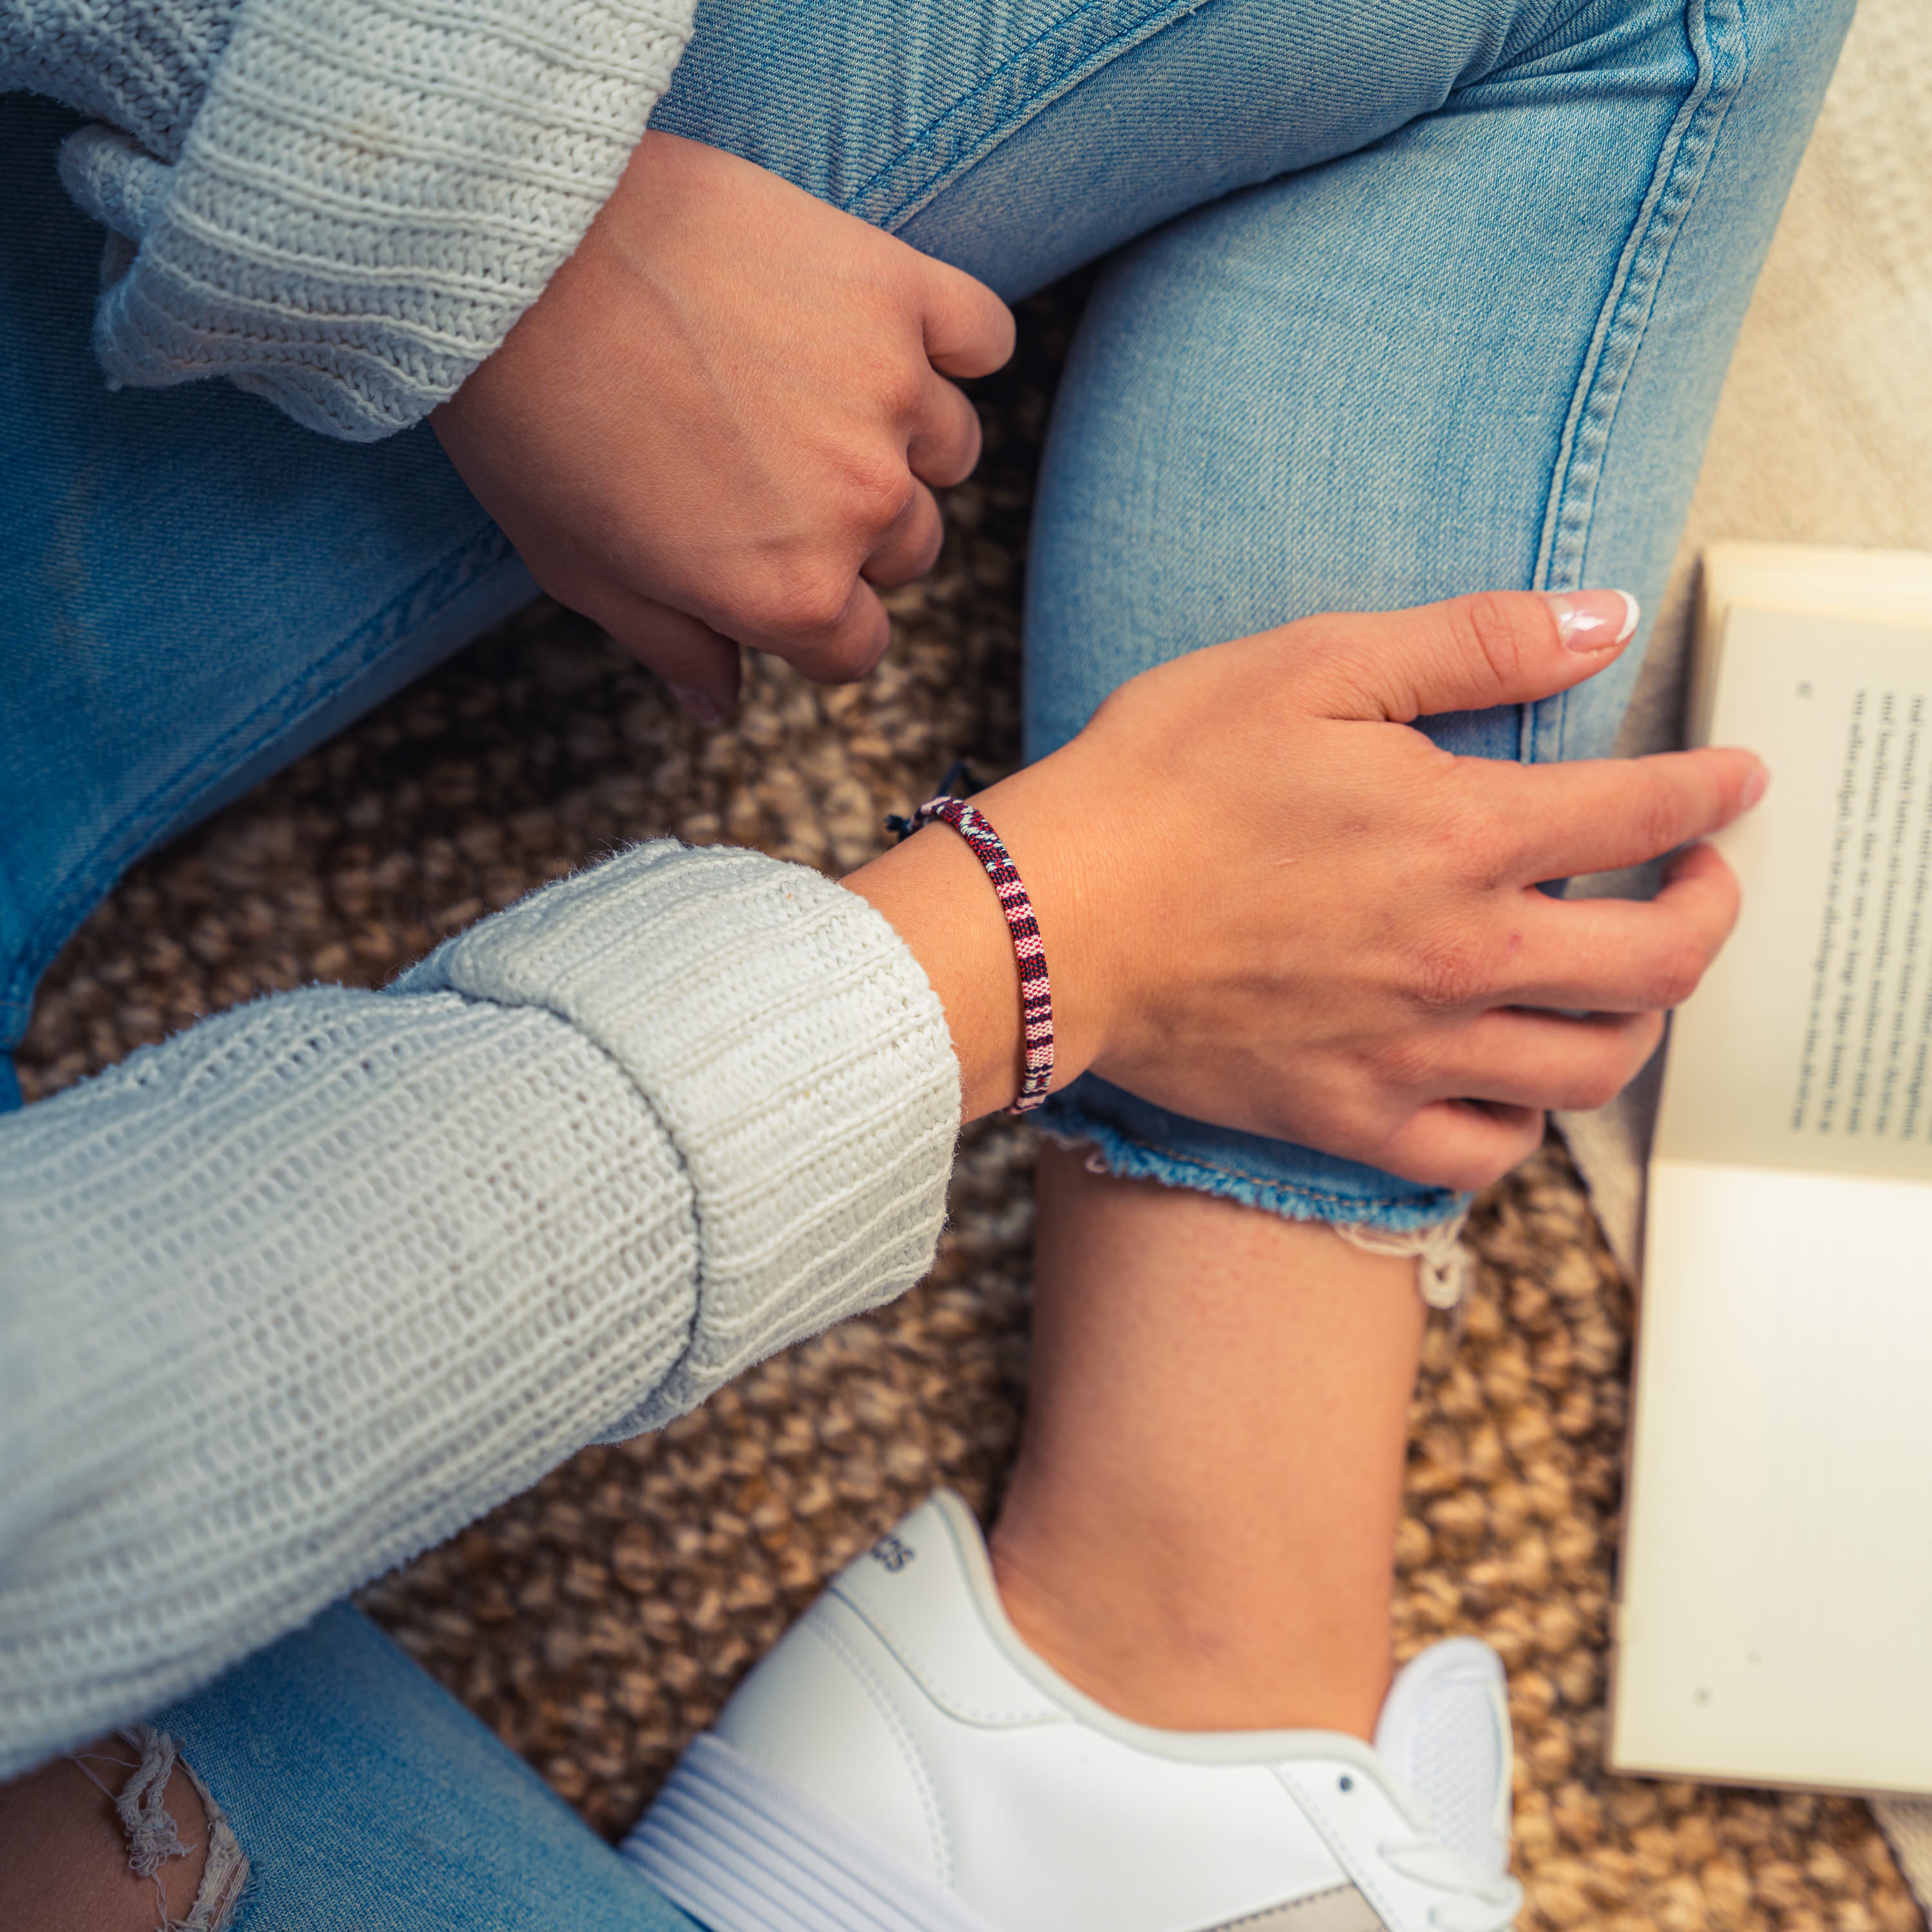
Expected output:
(1715, 29)
(1114, 1141)
(1022, 87)
(117, 848)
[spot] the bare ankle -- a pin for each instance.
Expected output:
(1200, 1531)
(1150, 1638)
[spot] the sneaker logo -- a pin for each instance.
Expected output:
(891, 1552)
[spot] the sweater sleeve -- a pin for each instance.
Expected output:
(298, 1293)
(340, 205)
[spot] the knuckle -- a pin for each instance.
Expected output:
(844, 663)
(845, 657)
(1406, 1063)
(976, 326)
(1488, 629)
(987, 319)
(878, 488)
(902, 394)
(1474, 840)
(1656, 817)
(1447, 975)
(1597, 1087)
(1481, 1163)
(1523, 1139)
(911, 553)
(926, 553)
(1674, 975)
(1477, 1173)
(956, 453)
(804, 603)
(1321, 653)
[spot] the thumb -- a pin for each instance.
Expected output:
(1471, 653)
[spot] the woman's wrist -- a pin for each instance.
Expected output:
(937, 896)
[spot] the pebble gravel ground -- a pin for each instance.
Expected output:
(599, 1621)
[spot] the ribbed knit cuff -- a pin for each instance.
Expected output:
(371, 193)
(795, 1053)
(142, 66)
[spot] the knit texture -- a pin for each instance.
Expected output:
(138, 66)
(302, 1291)
(341, 204)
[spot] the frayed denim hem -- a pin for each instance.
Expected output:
(1070, 1124)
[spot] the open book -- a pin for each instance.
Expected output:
(1775, 1624)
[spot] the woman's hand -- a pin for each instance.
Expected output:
(1269, 903)
(719, 424)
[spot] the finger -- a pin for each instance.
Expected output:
(1533, 1060)
(910, 548)
(837, 647)
(945, 437)
(1631, 956)
(1462, 1144)
(1597, 814)
(702, 668)
(1469, 654)
(968, 330)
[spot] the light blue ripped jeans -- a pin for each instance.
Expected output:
(1422, 296)
(1429, 298)
(1433, 296)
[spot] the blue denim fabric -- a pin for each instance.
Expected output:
(368, 1800)
(192, 591)
(1433, 296)
(1483, 350)
(1443, 301)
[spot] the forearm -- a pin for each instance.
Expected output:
(304, 1290)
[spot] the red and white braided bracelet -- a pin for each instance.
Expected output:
(1036, 994)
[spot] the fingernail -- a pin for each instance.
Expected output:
(700, 704)
(1593, 620)
(1755, 786)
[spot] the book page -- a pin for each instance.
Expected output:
(1776, 1586)
(1880, 586)
(1809, 1044)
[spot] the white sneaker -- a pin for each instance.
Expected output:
(902, 1762)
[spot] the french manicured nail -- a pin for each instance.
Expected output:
(1593, 620)
(1754, 786)
(700, 704)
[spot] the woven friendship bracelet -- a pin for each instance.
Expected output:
(1036, 994)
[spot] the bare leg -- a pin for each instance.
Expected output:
(64, 1859)
(1200, 1531)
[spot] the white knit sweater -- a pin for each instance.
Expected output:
(342, 204)
(300, 1292)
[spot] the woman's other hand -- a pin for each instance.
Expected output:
(1269, 903)
(722, 422)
